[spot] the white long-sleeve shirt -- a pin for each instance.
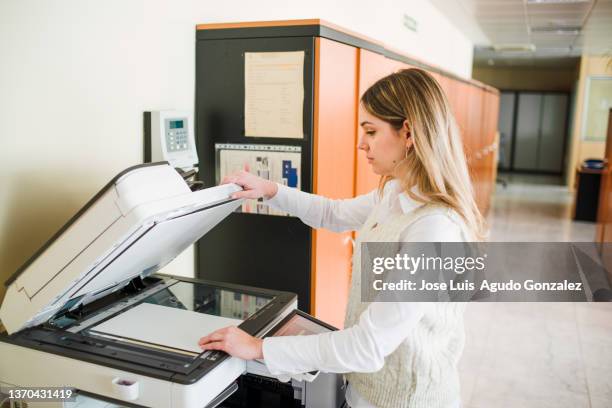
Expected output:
(383, 325)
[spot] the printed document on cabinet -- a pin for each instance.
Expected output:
(274, 94)
(281, 164)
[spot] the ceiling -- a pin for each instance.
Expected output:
(547, 33)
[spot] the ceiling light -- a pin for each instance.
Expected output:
(555, 29)
(514, 47)
(557, 1)
(554, 50)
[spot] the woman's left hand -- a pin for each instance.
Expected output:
(234, 342)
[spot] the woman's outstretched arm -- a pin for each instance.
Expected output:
(360, 348)
(314, 210)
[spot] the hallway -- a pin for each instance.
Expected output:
(535, 208)
(537, 354)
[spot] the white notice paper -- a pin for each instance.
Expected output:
(274, 94)
(165, 326)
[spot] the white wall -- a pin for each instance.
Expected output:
(76, 75)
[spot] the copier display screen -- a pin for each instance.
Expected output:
(300, 326)
(176, 124)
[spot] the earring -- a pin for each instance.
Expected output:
(408, 136)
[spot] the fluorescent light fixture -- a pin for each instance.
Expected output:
(554, 50)
(556, 29)
(514, 47)
(557, 1)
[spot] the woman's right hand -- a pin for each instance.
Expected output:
(254, 187)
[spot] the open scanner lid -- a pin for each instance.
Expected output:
(140, 221)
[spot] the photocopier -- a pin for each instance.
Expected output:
(89, 311)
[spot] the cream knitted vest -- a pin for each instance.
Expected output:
(422, 371)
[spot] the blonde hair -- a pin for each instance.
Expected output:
(436, 164)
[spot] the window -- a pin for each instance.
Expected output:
(598, 101)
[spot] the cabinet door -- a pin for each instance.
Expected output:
(334, 165)
(552, 132)
(459, 104)
(448, 86)
(527, 132)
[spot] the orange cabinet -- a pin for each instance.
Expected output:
(335, 119)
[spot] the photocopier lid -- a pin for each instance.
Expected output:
(140, 221)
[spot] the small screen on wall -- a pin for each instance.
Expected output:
(176, 124)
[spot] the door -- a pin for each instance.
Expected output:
(527, 131)
(539, 131)
(552, 132)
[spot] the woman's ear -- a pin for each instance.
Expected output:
(407, 134)
(406, 130)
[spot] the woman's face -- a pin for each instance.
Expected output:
(384, 146)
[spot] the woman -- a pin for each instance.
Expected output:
(397, 354)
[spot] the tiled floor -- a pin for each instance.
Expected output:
(535, 209)
(524, 355)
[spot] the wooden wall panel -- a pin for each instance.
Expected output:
(476, 112)
(604, 212)
(334, 164)
(445, 84)
(477, 134)
(485, 170)
(460, 108)
(450, 89)
(372, 67)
